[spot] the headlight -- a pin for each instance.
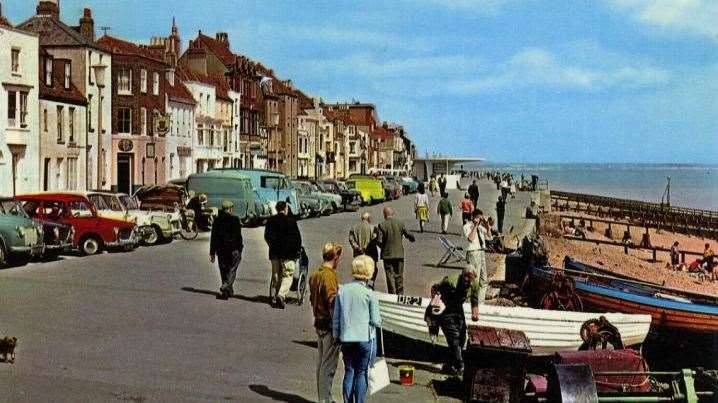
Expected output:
(20, 231)
(56, 232)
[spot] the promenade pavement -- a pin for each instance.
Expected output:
(145, 325)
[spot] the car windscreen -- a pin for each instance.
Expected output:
(273, 182)
(130, 203)
(13, 208)
(99, 202)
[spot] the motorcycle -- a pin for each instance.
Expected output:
(203, 217)
(188, 230)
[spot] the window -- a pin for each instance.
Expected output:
(15, 60)
(17, 108)
(143, 121)
(143, 81)
(44, 119)
(124, 82)
(71, 173)
(48, 71)
(200, 135)
(89, 69)
(68, 73)
(89, 112)
(71, 125)
(80, 209)
(155, 83)
(124, 120)
(60, 124)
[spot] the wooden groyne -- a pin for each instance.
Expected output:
(684, 220)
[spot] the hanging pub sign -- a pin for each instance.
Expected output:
(125, 145)
(162, 124)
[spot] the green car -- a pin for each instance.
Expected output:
(221, 185)
(19, 236)
(313, 204)
(370, 188)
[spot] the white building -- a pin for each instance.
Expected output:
(207, 149)
(179, 141)
(19, 162)
(91, 73)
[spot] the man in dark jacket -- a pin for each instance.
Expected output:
(442, 184)
(226, 244)
(285, 245)
(474, 193)
(500, 210)
(390, 236)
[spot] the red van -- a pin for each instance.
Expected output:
(92, 232)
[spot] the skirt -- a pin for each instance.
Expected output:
(422, 213)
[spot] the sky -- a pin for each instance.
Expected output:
(507, 80)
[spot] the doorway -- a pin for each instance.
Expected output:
(124, 173)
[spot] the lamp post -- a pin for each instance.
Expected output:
(99, 70)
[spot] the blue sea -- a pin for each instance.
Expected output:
(692, 185)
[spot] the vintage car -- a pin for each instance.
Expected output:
(370, 188)
(392, 188)
(20, 237)
(409, 184)
(153, 226)
(93, 233)
(57, 237)
(334, 200)
(169, 198)
(351, 199)
(229, 184)
(312, 202)
(270, 186)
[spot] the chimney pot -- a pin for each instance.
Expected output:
(48, 7)
(87, 25)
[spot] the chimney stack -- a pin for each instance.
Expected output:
(223, 37)
(87, 25)
(48, 7)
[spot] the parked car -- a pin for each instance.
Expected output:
(152, 226)
(334, 200)
(409, 184)
(316, 201)
(220, 185)
(20, 237)
(370, 188)
(93, 233)
(392, 188)
(169, 198)
(57, 237)
(271, 186)
(311, 206)
(351, 199)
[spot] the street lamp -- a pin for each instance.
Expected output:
(99, 70)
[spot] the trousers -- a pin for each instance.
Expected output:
(477, 259)
(282, 274)
(445, 218)
(356, 358)
(394, 270)
(328, 358)
(228, 265)
(453, 325)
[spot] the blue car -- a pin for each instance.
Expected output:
(272, 187)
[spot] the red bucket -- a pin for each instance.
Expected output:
(406, 375)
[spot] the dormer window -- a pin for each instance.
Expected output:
(171, 77)
(48, 71)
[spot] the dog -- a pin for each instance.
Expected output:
(7, 349)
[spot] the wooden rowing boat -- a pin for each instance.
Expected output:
(668, 311)
(548, 331)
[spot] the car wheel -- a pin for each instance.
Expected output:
(153, 235)
(90, 245)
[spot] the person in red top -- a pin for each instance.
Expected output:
(466, 206)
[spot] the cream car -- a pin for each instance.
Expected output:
(153, 226)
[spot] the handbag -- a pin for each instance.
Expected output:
(378, 373)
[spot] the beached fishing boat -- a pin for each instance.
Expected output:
(668, 311)
(547, 331)
(606, 277)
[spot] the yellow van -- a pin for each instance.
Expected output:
(370, 188)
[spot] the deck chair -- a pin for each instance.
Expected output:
(452, 254)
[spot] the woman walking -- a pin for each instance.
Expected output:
(421, 206)
(356, 317)
(433, 185)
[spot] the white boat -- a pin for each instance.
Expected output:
(547, 331)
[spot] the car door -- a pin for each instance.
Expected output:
(79, 213)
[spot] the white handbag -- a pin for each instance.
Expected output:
(378, 373)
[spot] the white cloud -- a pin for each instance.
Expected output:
(486, 7)
(699, 17)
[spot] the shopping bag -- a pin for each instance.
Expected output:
(378, 376)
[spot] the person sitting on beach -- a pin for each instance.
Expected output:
(570, 230)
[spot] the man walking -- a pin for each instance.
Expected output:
(500, 209)
(323, 287)
(285, 244)
(475, 233)
(474, 193)
(442, 184)
(445, 211)
(363, 239)
(226, 244)
(391, 234)
(455, 289)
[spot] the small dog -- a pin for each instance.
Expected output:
(7, 348)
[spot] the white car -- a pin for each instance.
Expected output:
(153, 226)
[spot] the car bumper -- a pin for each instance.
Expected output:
(131, 241)
(33, 250)
(58, 247)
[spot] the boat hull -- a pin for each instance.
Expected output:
(547, 331)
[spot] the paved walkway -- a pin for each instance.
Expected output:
(145, 326)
